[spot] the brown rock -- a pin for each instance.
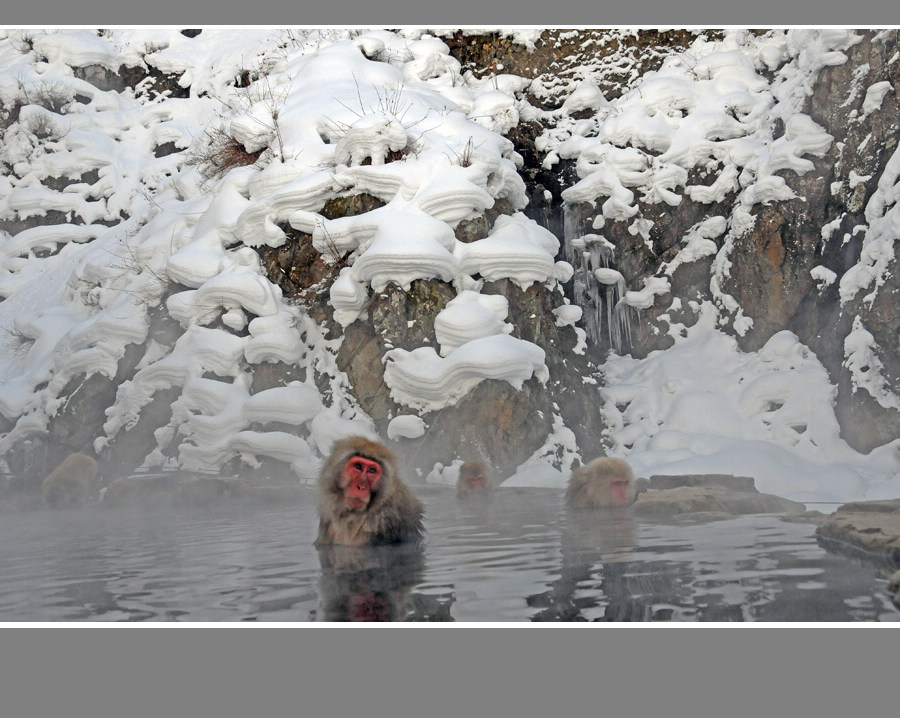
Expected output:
(865, 529)
(170, 489)
(713, 501)
(736, 483)
(893, 588)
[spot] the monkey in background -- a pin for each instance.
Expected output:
(70, 483)
(474, 478)
(362, 500)
(602, 483)
(597, 547)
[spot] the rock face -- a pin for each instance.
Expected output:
(178, 489)
(783, 272)
(494, 419)
(775, 270)
(707, 497)
(866, 529)
(793, 242)
(173, 489)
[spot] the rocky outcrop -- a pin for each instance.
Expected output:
(893, 589)
(706, 497)
(838, 192)
(777, 272)
(178, 488)
(864, 529)
(770, 275)
(561, 56)
(494, 420)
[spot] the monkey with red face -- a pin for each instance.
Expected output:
(602, 483)
(474, 478)
(362, 500)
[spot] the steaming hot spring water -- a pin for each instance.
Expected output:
(701, 406)
(520, 556)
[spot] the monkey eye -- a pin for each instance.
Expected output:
(371, 470)
(358, 466)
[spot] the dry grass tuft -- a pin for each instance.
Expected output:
(219, 152)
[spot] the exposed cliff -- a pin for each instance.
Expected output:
(818, 257)
(432, 239)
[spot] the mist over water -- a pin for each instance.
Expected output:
(519, 557)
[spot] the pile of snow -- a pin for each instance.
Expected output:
(331, 122)
(703, 406)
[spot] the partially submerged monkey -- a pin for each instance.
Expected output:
(70, 483)
(474, 478)
(362, 500)
(602, 483)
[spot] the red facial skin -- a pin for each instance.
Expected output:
(619, 489)
(361, 475)
(476, 482)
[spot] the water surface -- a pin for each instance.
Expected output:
(520, 557)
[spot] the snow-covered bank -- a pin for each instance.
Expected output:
(126, 232)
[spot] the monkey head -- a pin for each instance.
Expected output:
(475, 481)
(474, 477)
(620, 491)
(358, 476)
(605, 482)
(362, 499)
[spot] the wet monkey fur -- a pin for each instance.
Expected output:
(362, 500)
(70, 483)
(602, 483)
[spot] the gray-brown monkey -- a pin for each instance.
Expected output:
(602, 483)
(474, 478)
(70, 483)
(362, 500)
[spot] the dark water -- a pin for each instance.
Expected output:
(519, 558)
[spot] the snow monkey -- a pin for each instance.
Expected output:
(70, 483)
(603, 483)
(474, 478)
(362, 500)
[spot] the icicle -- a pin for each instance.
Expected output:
(595, 283)
(621, 330)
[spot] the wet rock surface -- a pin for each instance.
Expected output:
(865, 529)
(893, 589)
(179, 488)
(706, 497)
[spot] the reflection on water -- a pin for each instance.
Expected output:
(361, 583)
(519, 557)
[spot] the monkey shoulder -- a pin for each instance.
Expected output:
(402, 518)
